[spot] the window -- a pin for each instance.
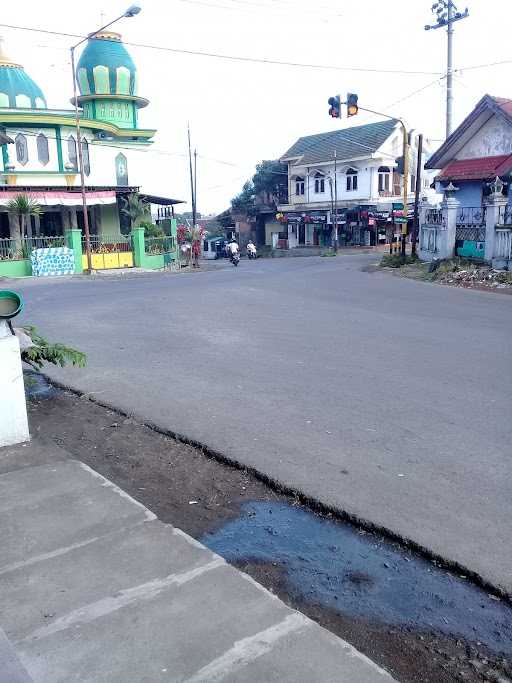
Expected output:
(42, 149)
(351, 179)
(21, 149)
(319, 183)
(85, 157)
(72, 152)
(384, 178)
(299, 185)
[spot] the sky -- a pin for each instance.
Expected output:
(242, 112)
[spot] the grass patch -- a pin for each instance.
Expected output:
(397, 260)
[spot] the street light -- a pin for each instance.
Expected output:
(130, 12)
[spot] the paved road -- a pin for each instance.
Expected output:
(384, 397)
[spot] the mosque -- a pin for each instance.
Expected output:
(39, 144)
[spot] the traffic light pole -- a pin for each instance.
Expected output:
(406, 168)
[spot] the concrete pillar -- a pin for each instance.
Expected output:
(493, 205)
(74, 241)
(139, 251)
(73, 218)
(13, 408)
(37, 225)
(449, 207)
(64, 212)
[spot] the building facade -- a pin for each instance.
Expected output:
(43, 159)
(473, 171)
(355, 174)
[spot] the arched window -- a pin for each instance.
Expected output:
(299, 185)
(351, 179)
(43, 153)
(72, 152)
(384, 179)
(319, 182)
(85, 157)
(21, 149)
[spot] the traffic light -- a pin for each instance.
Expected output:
(335, 107)
(352, 108)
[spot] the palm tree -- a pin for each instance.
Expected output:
(135, 208)
(21, 208)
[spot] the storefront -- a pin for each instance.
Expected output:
(304, 229)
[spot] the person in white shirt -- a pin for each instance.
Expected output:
(233, 247)
(251, 249)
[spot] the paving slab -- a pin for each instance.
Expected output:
(95, 589)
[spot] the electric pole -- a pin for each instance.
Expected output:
(447, 14)
(192, 184)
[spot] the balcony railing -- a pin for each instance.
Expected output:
(505, 215)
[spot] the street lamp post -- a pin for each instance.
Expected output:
(130, 12)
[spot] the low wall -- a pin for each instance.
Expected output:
(152, 261)
(20, 268)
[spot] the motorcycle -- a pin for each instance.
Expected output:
(235, 258)
(252, 255)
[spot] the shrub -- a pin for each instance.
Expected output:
(397, 260)
(44, 351)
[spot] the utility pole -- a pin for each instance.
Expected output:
(192, 188)
(419, 168)
(195, 184)
(335, 219)
(447, 14)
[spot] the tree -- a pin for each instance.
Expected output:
(271, 179)
(136, 208)
(21, 208)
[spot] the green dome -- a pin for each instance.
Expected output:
(17, 89)
(106, 68)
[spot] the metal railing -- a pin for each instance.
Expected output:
(503, 244)
(505, 215)
(108, 244)
(470, 233)
(434, 217)
(471, 216)
(19, 249)
(159, 245)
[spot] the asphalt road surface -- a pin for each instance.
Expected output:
(383, 397)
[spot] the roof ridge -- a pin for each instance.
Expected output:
(350, 128)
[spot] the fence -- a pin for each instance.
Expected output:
(433, 217)
(159, 245)
(505, 215)
(471, 216)
(428, 241)
(108, 251)
(503, 244)
(19, 249)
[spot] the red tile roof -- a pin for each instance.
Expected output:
(504, 104)
(484, 168)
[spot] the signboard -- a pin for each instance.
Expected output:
(398, 206)
(400, 220)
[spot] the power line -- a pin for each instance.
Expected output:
(238, 58)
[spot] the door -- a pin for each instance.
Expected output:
(302, 233)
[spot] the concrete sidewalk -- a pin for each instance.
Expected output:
(94, 588)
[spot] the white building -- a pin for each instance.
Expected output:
(366, 188)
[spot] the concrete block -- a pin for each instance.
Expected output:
(51, 507)
(13, 408)
(38, 594)
(168, 637)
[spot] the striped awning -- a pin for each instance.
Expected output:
(56, 198)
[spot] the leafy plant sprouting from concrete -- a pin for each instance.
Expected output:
(42, 351)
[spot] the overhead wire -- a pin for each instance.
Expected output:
(238, 58)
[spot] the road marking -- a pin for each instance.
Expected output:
(123, 598)
(248, 649)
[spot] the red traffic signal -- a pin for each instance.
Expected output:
(335, 107)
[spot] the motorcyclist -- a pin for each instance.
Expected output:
(251, 249)
(233, 247)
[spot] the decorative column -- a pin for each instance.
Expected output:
(493, 205)
(450, 207)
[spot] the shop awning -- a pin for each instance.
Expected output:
(49, 198)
